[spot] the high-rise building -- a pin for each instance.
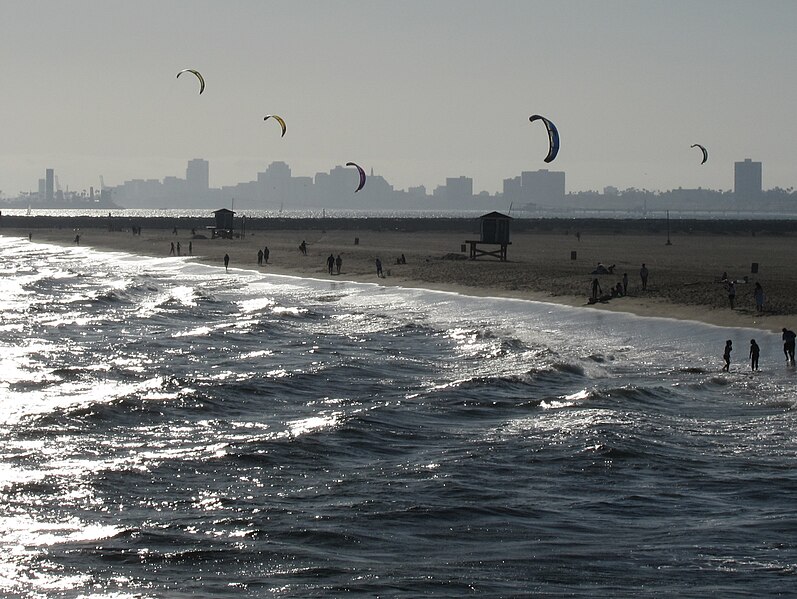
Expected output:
(49, 177)
(42, 190)
(458, 190)
(543, 187)
(197, 179)
(747, 180)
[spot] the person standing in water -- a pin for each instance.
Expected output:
(788, 344)
(643, 274)
(754, 352)
(727, 355)
(226, 261)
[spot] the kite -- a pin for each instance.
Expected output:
(553, 136)
(279, 120)
(362, 175)
(705, 152)
(198, 76)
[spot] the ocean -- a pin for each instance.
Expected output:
(169, 429)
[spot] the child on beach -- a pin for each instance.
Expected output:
(727, 355)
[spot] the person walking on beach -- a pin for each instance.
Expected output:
(788, 344)
(758, 294)
(727, 355)
(178, 248)
(303, 248)
(625, 283)
(265, 255)
(754, 352)
(338, 263)
(190, 248)
(226, 261)
(260, 257)
(331, 263)
(731, 293)
(596, 288)
(378, 268)
(171, 251)
(643, 274)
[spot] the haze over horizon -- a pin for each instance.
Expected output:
(418, 91)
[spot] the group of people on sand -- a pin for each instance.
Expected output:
(262, 256)
(334, 264)
(730, 286)
(788, 337)
(177, 250)
(618, 290)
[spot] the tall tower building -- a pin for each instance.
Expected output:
(747, 180)
(49, 175)
(42, 190)
(197, 178)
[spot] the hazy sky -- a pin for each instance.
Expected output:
(417, 90)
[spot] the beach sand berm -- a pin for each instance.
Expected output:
(684, 281)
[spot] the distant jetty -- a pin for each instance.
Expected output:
(122, 222)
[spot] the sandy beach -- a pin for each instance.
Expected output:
(684, 280)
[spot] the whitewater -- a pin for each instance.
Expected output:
(169, 429)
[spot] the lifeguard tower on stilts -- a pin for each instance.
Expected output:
(494, 228)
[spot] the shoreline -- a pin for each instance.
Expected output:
(684, 279)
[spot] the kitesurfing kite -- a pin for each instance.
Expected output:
(705, 152)
(279, 120)
(553, 136)
(362, 175)
(198, 76)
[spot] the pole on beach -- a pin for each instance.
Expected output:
(668, 229)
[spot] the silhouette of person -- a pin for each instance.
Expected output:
(171, 251)
(754, 352)
(731, 293)
(190, 248)
(758, 294)
(596, 288)
(338, 263)
(265, 254)
(727, 355)
(259, 257)
(625, 283)
(788, 344)
(178, 248)
(226, 261)
(330, 263)
(643, 274)
(378, 268)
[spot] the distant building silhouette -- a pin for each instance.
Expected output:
(48, 193)
(535, 188)
(197, 177)
(747, 180)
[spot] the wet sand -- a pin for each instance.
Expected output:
(684, 280)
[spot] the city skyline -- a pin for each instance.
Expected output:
(276, 187)
(418, 91)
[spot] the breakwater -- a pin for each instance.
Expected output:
(120, 222)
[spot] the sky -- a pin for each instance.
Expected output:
(417, 90)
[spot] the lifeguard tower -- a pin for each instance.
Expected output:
(223, 226)
(494, 229)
